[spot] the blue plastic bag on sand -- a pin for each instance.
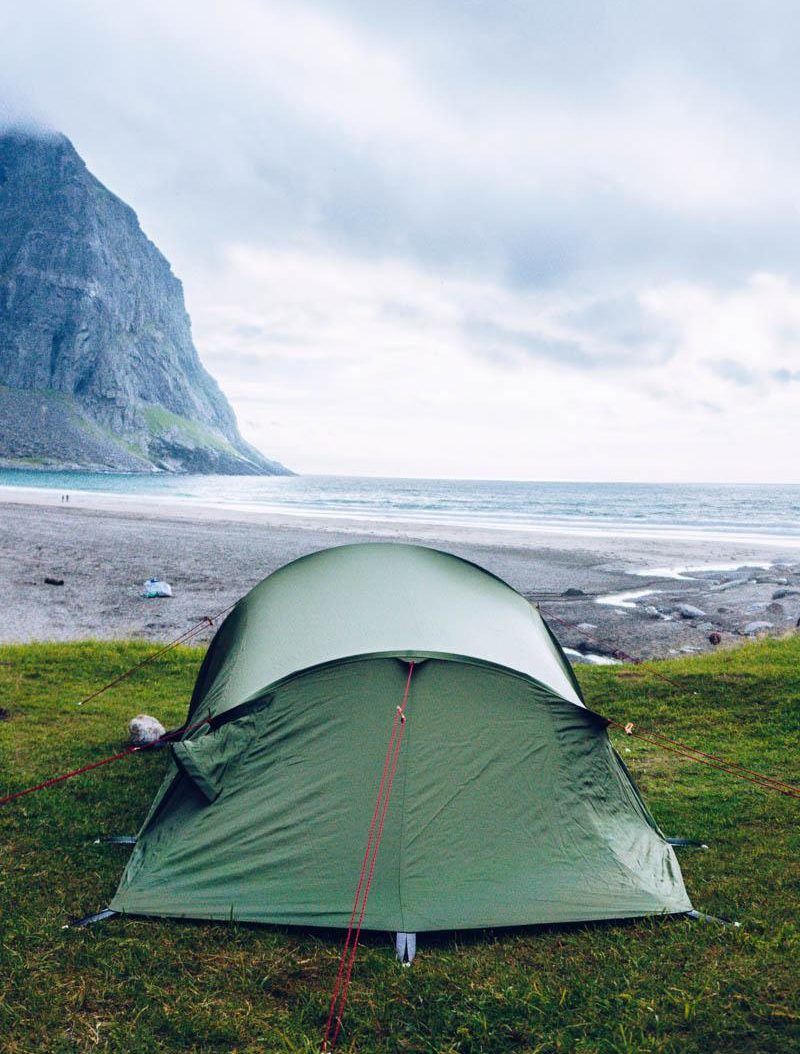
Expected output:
(155, 587)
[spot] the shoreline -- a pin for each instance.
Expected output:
(104, 550)
(448, 528)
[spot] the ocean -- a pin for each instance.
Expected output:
(676, 510)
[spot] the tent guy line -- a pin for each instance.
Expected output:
(164, 740)
(338, 1002)
(205, 622)
(714, 762)
(732, 767)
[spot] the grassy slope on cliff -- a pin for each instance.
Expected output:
(660, 985)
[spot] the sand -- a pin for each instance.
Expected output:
(104, 547)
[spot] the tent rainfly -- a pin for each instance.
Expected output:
(510, 806)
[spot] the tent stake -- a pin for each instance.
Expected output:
(700, 916)
(88, 920)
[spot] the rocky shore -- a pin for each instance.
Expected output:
(692, 611)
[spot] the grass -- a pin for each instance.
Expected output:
(657, 985)
(160, 420)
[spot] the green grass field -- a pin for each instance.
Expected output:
(664, 984)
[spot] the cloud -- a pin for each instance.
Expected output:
(736, 372)
(421, 237)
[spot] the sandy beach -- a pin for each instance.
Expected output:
(104, 547)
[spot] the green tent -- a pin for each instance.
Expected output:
(509, 804)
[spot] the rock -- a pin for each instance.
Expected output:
(688, 611)
(572, 592)
(599, 647)
(53, 581)
(97, 365)
(705, 626)
(775, 611)
(781, 594)
(755, 627)
(731, 584)
(586, 627)
(652, 611)
(715, 638)
(145, 730)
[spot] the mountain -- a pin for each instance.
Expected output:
(97, 365)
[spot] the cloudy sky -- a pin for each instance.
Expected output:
(533, 239)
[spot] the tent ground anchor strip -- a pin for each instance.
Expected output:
(406, 947)
(686, 843)
(699, 916)
(88, 920)
(116, 839)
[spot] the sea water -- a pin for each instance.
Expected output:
(738, 511)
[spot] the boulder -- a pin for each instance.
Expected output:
(781, 594)
(689, 611)
(586, 627)
(145, 730)
(775, 610)
(751, 628)
(573, 592)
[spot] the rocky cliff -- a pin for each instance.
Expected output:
(97, 365)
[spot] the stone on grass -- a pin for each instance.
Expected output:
(689, 611)
(145, 730)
